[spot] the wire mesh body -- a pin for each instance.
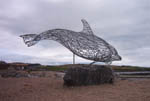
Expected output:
(83, 44)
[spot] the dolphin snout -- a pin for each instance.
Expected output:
(120, 58)
(116, 58)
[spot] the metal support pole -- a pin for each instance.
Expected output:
(73, 58)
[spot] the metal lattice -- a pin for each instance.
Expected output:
(83, 44)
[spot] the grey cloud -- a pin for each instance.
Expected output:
(123, 23)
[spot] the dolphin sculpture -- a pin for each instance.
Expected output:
(83, 44)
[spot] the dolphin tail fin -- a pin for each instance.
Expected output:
(86, 27)
(29, 39)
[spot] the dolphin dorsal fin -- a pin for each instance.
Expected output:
(86, 27)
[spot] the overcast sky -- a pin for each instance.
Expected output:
(125, 24)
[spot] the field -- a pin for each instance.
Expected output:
(114, 67)
(51, 88)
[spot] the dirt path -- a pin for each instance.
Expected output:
(51, 89)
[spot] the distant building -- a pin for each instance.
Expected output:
(18, 65)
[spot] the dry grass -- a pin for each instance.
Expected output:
(51, 88)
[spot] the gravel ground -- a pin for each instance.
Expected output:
(50, 88)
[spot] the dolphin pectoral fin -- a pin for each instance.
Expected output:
(86, 27)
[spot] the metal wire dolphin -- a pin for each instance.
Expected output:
(84, 43)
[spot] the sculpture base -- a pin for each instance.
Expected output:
(88, 75)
